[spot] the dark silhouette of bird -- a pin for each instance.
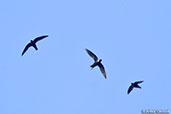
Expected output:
(97, 62)
(33, 43)
(134, 85)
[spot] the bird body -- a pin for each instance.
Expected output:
(97, 62)
(33, 43)
(134, 85)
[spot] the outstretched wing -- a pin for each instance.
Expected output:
(26, 48)
(130, 89)
(92, 55)
(102, 69)
(137, 82)
(40, 38)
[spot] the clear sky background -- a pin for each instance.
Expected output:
(133, 38)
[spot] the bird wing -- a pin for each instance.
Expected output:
(102, 69)
(137, 82)
(130, 89)
(40, 38)
(26, 48)
(92, 55)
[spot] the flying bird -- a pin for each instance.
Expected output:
(134, 85)
(97, 62)
(33, 43)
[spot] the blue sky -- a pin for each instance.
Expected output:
(131, 36)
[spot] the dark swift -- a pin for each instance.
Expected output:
(134, 85)
(97, 62)
(33, 43)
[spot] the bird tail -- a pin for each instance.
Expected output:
(35, 47)
(138, 86)
(91, 66)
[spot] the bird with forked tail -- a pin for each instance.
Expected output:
(33, 43)
(134, 85)
(97, 62)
